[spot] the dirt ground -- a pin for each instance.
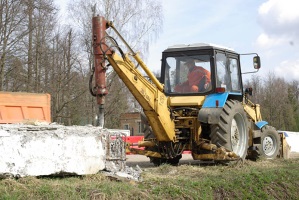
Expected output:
(143, 161)
(294, 155)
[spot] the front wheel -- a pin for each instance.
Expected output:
(270, 143)
(231, 131)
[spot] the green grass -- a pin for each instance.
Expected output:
(276, 179)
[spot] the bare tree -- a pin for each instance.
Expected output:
(293, 97)
(41, 22)
(61, 76)
(12, 30)
(138, 21)
(37, 54)
(278, 100)
(30, 8)
(116, 101)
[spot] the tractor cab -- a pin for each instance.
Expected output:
(200, 69)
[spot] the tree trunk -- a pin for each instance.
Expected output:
(30, 36)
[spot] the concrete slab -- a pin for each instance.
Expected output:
(29, 150)
(293, 140)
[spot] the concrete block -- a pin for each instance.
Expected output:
(29, 150)
(293, 140)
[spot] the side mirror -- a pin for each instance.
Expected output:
(256, 62)
(248, 91)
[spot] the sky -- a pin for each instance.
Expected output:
(267, 27)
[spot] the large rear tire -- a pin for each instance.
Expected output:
(231, 132)
(270, 143)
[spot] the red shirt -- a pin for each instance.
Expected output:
(196, 74)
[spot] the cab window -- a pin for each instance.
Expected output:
(227, 73)
(188, 74)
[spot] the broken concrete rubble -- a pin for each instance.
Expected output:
(115, 149)
(129, 173)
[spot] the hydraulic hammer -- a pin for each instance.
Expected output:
(99, 25)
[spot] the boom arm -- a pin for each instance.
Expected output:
(253, 110)
(149, 95)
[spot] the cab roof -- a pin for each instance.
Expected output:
(197, 46)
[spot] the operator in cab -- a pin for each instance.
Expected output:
(199, 79)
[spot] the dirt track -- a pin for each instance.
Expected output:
(143, 161)
(294, 155)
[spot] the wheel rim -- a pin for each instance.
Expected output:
(269, 145)
(238, 138)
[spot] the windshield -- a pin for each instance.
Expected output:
(188, 74)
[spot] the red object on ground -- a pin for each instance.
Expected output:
(133, 140)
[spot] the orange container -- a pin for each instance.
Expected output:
(17, 107)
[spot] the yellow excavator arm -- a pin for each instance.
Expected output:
(253, 111)
(151, 99)
(149, 94)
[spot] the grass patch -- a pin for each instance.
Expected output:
(275, 179)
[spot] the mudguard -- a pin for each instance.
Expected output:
(216, 100)
(261, 124)
(212, 107)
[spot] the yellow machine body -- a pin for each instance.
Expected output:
(213, 125)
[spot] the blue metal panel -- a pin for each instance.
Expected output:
(285, 134)
(261, 124)
(210, 101)
(282, 132)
